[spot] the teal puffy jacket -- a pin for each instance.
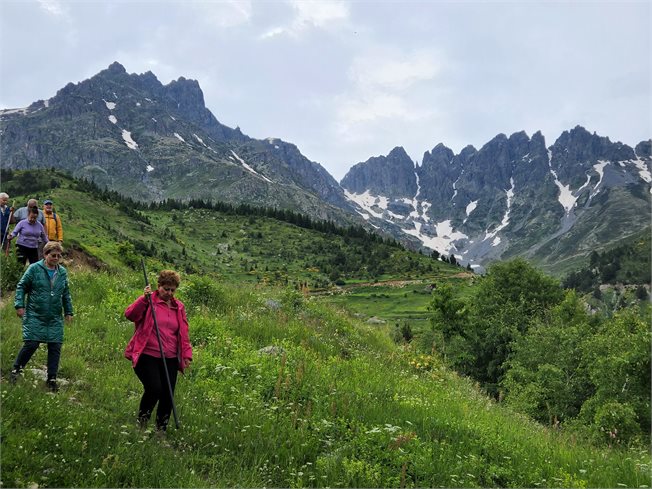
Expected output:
(42, 320)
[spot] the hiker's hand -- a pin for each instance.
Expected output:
(186, 363)
(148, 291)
(68, 319)
(20, 312)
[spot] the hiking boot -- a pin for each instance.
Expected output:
(52, 385)
(13, 375)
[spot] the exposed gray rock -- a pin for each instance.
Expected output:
(375, 320)
(272, 350)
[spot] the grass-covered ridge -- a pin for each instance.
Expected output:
(342, 407)
(235, 243)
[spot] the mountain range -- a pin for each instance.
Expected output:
(514, 196)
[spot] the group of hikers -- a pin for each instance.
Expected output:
(160, 346)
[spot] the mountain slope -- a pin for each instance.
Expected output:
(151, 142)
(238, 243)
(317, 412)
(513, 197)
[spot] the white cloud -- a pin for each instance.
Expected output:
(319, 13)
(53, 7)
(379, 94)
(225, 13)
(372, 106)
(396, 74)
(311, 14)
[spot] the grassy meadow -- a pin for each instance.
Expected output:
(338, 405)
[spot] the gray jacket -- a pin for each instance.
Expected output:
(21, 214)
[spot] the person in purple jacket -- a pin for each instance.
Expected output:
(29, 231)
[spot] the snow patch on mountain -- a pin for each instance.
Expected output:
(126, 136)
(566, 198)
(249, 168)
(150, 168)
(109, 105)
(176, 135)
(599, 167)
(470, 208)
(113, 119)
(505, 222)
(367, 202)
(200, 140)
(444, 239)
(643, 170)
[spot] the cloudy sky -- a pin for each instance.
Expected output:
(345, 81)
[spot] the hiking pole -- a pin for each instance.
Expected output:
(160, 347)
(5, 243)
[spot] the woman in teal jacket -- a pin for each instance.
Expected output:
(46, 285)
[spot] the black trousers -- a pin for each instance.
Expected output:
(151, 374)
(25, 254)
(28, 349)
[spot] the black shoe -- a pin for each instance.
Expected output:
(13, 376)
(52, 385)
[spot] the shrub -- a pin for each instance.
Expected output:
(292, 299)
(10, 273)
(616, 422)
(201, 291)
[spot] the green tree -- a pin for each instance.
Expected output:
(618, 360)
(547, 377)
(508, 299)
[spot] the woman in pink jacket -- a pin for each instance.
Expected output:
(143, 349)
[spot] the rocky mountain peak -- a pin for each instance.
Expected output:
(644, 149)
(440, 154)
(577, 150)
(116, 68)
(186, 93)
(392, 175)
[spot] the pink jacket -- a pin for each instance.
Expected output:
(139, 313)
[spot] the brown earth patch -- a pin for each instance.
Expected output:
(75, 258)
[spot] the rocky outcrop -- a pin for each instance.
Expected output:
(392, 175)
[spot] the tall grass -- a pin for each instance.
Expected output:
(338, 405)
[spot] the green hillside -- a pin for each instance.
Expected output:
(338, 403)
(240, 244)
(340, 407)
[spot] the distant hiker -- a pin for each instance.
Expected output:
(5, 215)
(46, 285)
(53, 227)
(23, 212)
(29, 232)
(143, 349)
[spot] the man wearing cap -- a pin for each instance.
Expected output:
(53, 227)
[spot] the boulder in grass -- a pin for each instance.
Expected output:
(272, 350)
(375, 320)
(272, 304)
